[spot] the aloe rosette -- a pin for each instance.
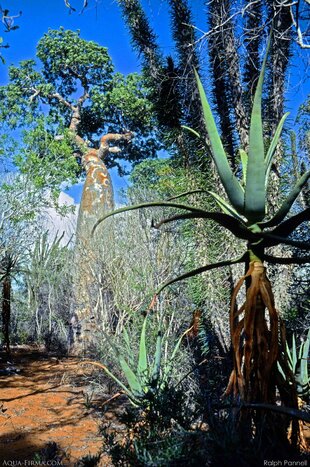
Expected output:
(146, 378)
(298, 364)
(255, 325)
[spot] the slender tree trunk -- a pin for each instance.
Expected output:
(6, 312)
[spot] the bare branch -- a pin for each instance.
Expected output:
(105, 148)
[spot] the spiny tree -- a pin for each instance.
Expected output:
(170, 77)
(235, 35)
(232, 45)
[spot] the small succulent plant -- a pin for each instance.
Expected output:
(298, 363)
(151, 374)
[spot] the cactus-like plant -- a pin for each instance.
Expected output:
(298, 363)
(254, 333)
(150, 375)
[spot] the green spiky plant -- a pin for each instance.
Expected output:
(255, 326)
(150, 375)
(298, 364)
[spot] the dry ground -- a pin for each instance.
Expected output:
(45, 410)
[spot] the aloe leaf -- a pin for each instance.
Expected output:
(230, 223)
(273, 240)
(255, 192)
(132, 379)
(300, 351)
(125, 388)
(294, 354)
(134, 384)
(128, 346)
(191, 130)
(287, 227)
(279, 260)
(186, 193)
(208, 267)
(226, 208)
(244, 162)
(142, 361)
(287, 204)
(281, 371)
(272, 147)
(157, 360)
(148, 205)
(230, 182)
(289, 356)
(304, 360)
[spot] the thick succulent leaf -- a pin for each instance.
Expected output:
(287, 204)
(289, 356)
(226, 208)
(149, 205)
(157, 360)
(112, 376)
(273, 240)
(191, 130)
(303, 376)
(230, 182)
(127, 346)
(186, 193)
(279, 260)
(244, 162)
(177, 346)
(294, 354)
(142, 361)
(197, 271)
(132, 379)
(230, 223)
(255, 192)
(287, 227)
(272, 147)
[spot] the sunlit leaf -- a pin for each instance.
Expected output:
(230, 182)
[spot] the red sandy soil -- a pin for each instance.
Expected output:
(44, 412)
(45, 403)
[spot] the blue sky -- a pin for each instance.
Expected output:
(105, 25)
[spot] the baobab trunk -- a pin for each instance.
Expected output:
(97, 200)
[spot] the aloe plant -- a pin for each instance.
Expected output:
(298, 363)
(150, 375)
(254, 333)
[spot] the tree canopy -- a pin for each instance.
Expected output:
(72, 94)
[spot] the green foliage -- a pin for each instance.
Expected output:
(297, 360)
(67, 60)
(253, 203)
(163, 178)
(150, 376)
(49, 160)
(76, 75)
(162, 439)
(48, 285)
